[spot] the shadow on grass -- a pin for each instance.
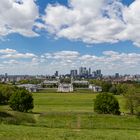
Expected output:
(5, 114)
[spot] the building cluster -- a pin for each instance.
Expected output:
(122, 78)
(69, 87)
(68, 82)
(86, 73)
(14, 78)
(83, 72)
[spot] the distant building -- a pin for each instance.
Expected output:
(89, 71)
(95, 88)
(65, 88)
(56, 74)
(84, 72)
(73, 73)
(117, 75)
(48, 82)
(29, 87)
(81, 82)
(97, 74)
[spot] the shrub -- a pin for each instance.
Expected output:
(106, 103)
(5, 92)
(113, 90)
(21, 101)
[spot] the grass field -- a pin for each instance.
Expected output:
(68, 117)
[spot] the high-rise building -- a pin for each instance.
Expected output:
(89, 71)
(6, 75)
(73, 73)
(117, 75)
(83, 71)
(56, 74)
(97, 74)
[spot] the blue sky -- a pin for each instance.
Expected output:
(47, 35)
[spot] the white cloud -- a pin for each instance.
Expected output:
(94, 21)
(7, 51)
(13, 54)
(11, 62)
(62, 55)
(18, 56)
(110, 62)
(18, 16)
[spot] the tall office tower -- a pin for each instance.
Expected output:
(89, 71)
(98, 73)
(94, 74)
(82, 71)
(56, 74)
(73, 73)
(117, 75)
(6, 75)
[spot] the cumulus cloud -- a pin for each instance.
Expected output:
(13, 54)
(7, 51)
(18, 16)
(11, 62)
(94, 21)
(109, 61)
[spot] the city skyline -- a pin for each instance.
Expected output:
(41, 37)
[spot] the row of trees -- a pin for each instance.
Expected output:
(116, 89)
(107, 103)
(19, 99)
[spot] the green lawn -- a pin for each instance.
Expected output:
(58, 116)
(63, 102)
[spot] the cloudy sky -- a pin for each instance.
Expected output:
(42, 36)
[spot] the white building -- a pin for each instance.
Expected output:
(95, 88)
(82, 82)
(65, 88)
(29, 87)
(47, 82)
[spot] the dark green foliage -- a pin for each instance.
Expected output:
(106, 86)
(113, 90)
(132, 100)
(76, 85)
(21, 101)
(106, 103)
(30, 81)
(65, 80)
(5, 92)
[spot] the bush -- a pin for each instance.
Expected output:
(106, 103)
(21, 101)
(5, 92)
(113, 90)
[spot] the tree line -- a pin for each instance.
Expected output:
(19, 99)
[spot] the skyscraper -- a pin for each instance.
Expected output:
(89, 71)
(73, 73)
(83, 71)
(56, 74)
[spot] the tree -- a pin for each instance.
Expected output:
(5, 92)
(106, 86)
(21, 101)
(113, 90)
(106, 103)
(132, 100)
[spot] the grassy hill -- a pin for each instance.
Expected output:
(66, 117)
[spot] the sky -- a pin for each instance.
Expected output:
(42, 36)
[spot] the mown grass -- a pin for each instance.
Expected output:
(12, 132)
(63, 102)
(60, 116)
